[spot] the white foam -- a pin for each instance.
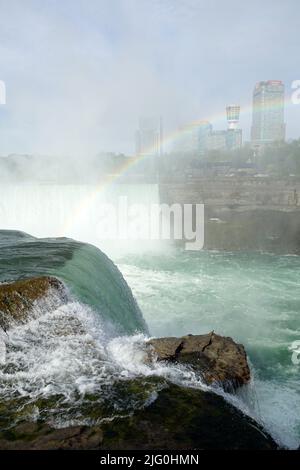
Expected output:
(68, 351)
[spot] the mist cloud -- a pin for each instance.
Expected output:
(79, 74)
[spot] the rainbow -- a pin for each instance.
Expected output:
(168, 140)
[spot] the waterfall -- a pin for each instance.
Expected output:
(75, 211)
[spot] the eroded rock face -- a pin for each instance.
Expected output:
(180, 418)
(18, 298)
(40, 436)
(176, 417)
(218, 359)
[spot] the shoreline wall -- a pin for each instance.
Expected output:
(244, 213)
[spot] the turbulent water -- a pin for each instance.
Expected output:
(71, 355)
(73, 210)
(75, 360)
(254, 298)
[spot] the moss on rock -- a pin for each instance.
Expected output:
(18, 298)
(216, 358)
(179, 418)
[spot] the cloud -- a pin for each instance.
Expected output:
(79, 74)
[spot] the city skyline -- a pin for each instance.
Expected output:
(145, 143)
(76, 83)
(268, 120)
(267, 126)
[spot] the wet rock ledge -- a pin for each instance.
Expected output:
(180, 418)
(18, 298)
(177, 417)
(218, 359)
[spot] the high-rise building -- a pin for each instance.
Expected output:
(230, 139)
(200, 138)
(205, 131)
(268, 113)
(217, 140)
(192, 139)
(234, 137)
(148, 137)
(148, 144)
(233, 116)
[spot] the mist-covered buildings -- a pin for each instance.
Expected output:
(148, 144)
(268, 124)
(200, 138)
(148, 137)
(200, 144)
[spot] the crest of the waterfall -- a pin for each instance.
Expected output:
(117, 218)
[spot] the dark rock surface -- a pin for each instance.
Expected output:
(243, 213)
(161, 415)
(179, 418)
(18, 298)
(218, 359)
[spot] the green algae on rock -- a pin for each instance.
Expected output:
(18, 298)
(216, 358)
(179, 418)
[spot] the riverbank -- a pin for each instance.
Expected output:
(243, 213)
(148, 411)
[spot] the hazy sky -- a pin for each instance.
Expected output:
(79, 73)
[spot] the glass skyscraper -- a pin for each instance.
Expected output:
(268, 113)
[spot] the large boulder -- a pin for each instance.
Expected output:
(18, 299)
(217, 359)
(186, 418)
(158, 414)
(179, 418)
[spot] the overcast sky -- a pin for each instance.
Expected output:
(79, 73)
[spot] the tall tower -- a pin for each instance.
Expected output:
(233, 116)
(268, 113)
(149, 137)
(234, 137)
(148, 144)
